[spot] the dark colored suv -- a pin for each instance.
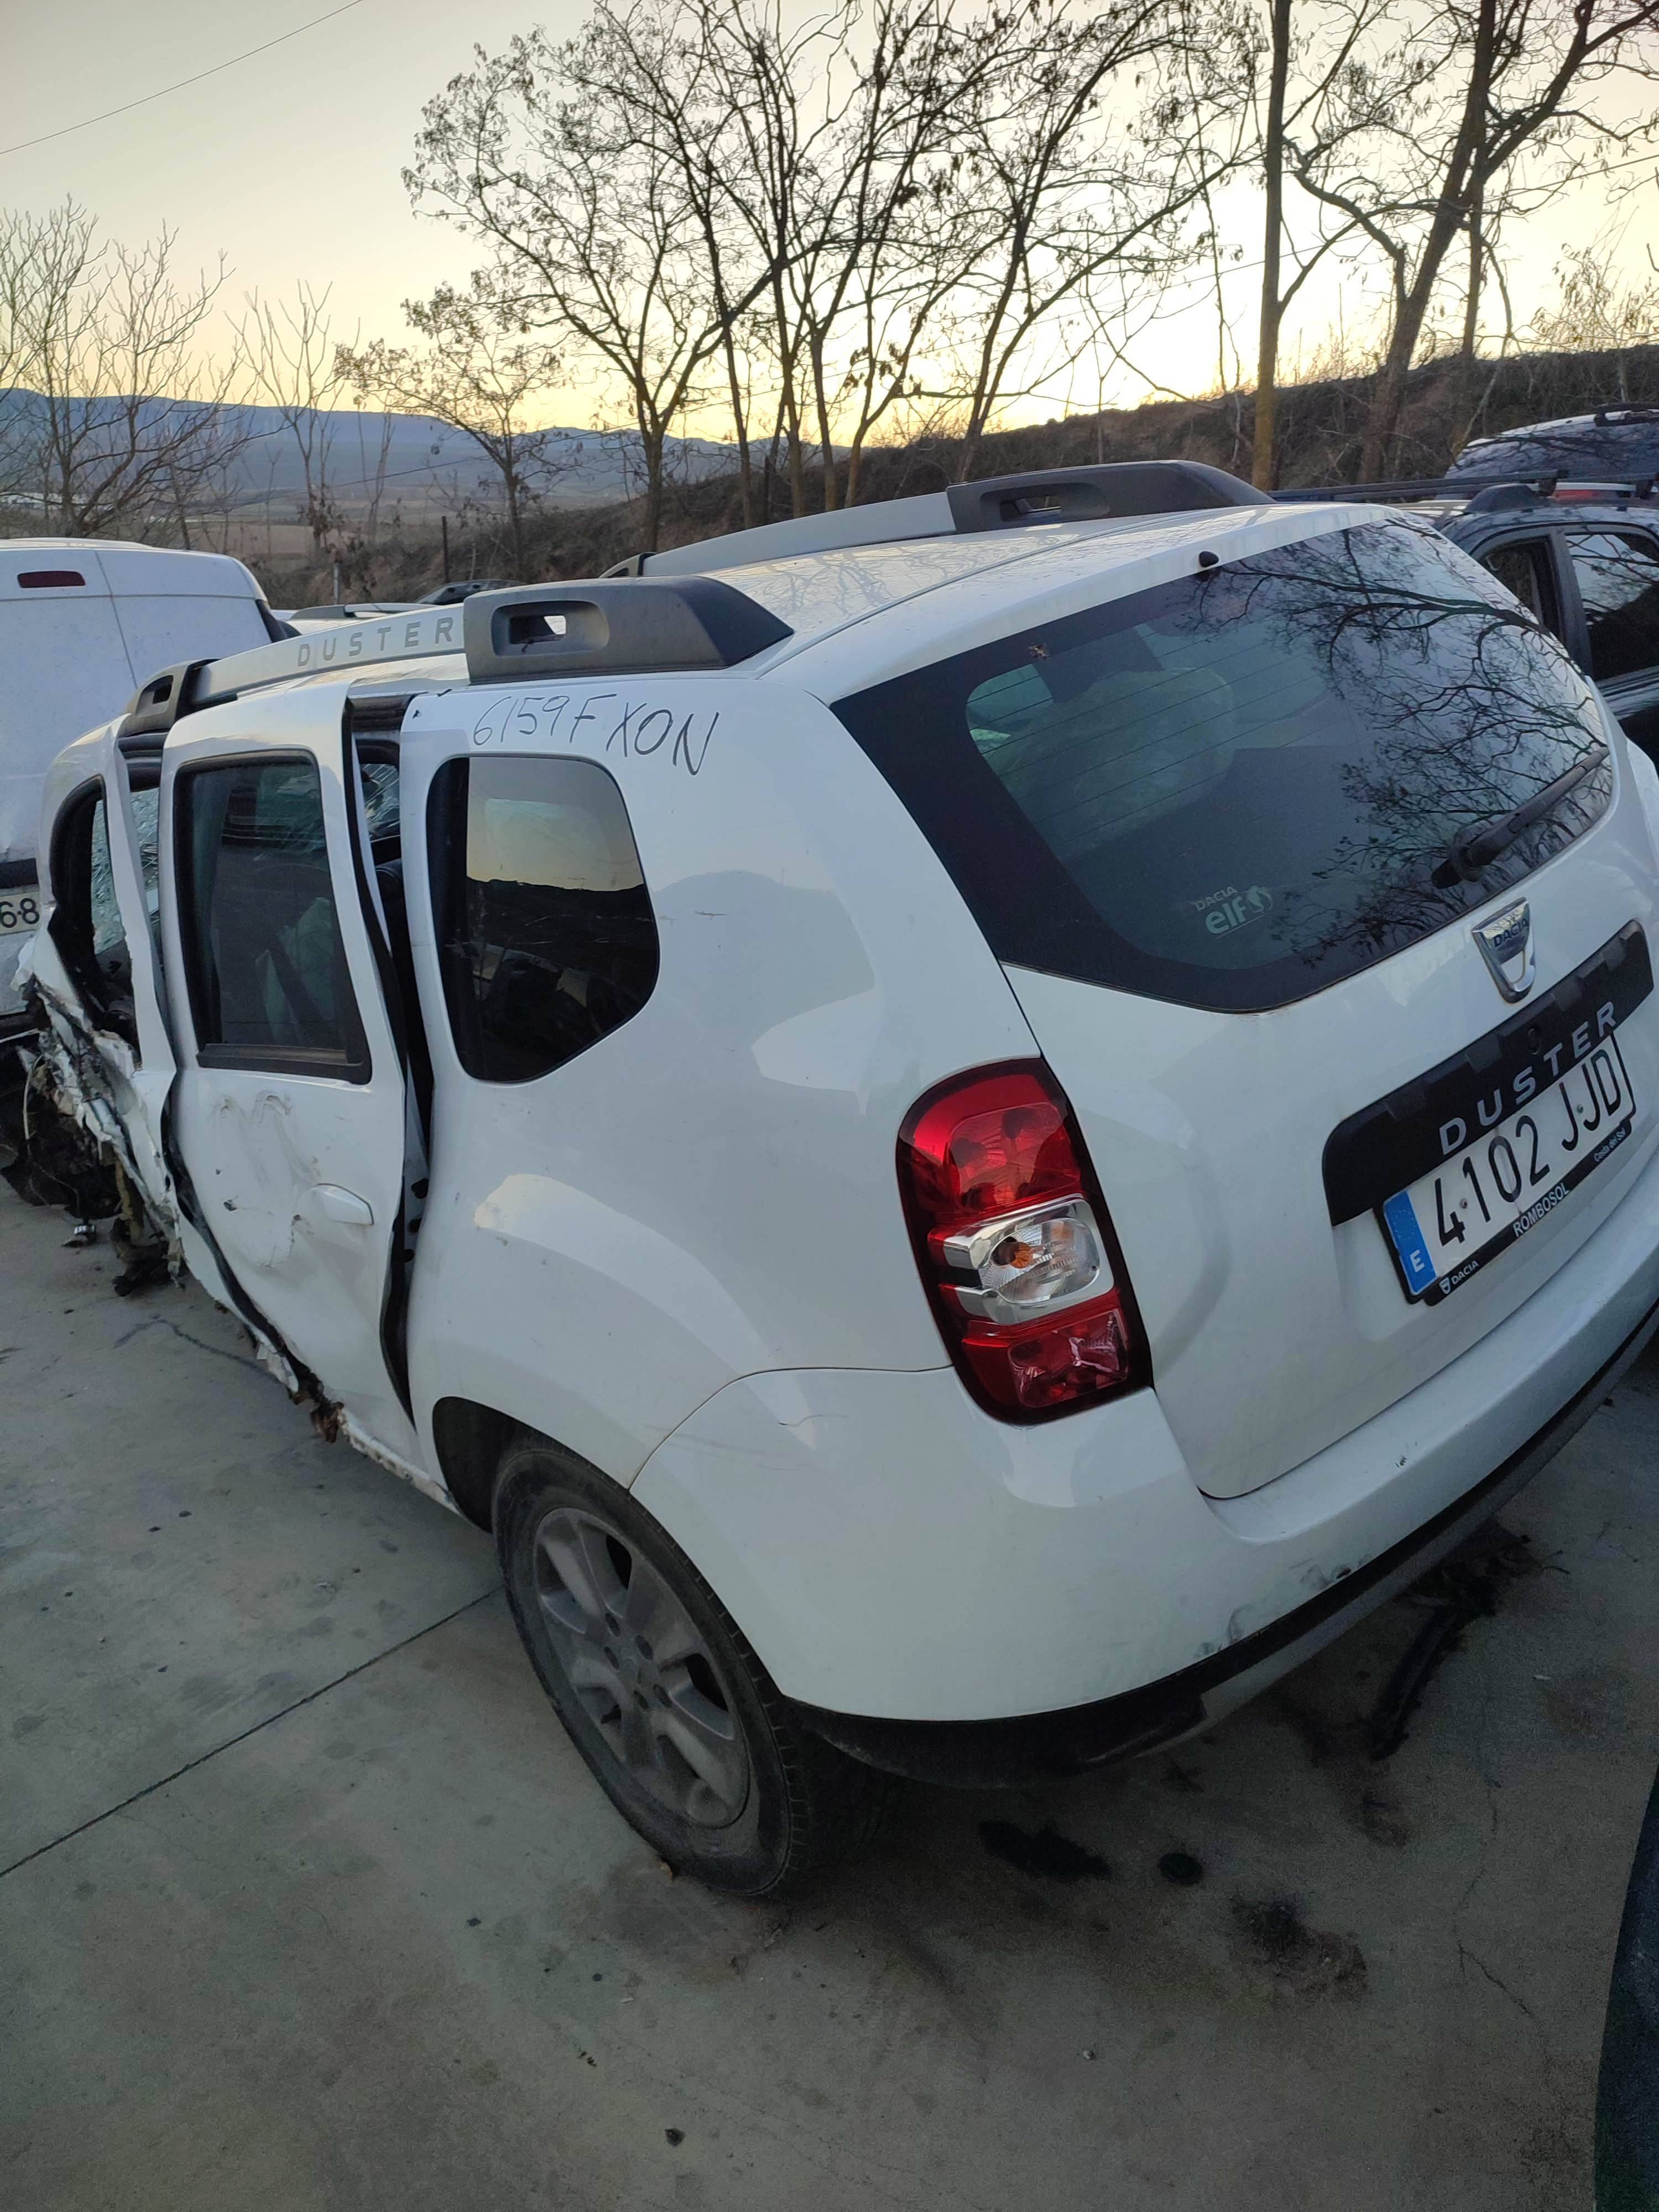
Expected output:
(1619, 445)
(1573, 535)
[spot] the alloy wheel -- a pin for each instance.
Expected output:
(641, 1671)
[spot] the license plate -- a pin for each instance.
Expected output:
(20, 911)
(1449, 1223)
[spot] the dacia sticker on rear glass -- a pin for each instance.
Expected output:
(616, 726)
(1224, 911)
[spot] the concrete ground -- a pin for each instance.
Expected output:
(307, 1902)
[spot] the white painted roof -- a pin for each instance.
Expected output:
(1040, 575)
(861, 613)
(113, 568)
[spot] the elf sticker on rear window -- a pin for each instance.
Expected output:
(1224, 911)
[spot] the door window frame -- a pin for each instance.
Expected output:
(1635, 679)
(354, 1065)
(446, 807)
(1554, 561)
(71, 928)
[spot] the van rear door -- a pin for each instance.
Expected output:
(1237, 838)
(65, 670)
(181, 606)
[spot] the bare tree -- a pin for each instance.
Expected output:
(596, 239)
(292, 357)
(1084, 168)
(856, 211)
(1593, 312)
(480, 373)
(114, 420)
(1494, 80)
(1332, 71)
(855, 215)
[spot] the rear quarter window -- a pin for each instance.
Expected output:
(1235, 789)
(547, 939)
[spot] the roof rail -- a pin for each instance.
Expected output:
(1405, 488)
(1478, 493)
(1111, 491)
(613, 629)
(184, 690)
(534, 629)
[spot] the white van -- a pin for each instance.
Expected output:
(82, 621)
(966, 1145)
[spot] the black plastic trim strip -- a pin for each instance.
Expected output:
(1096, 492)
(394, 1304)
(1385, 1146)
(154, 707)
(625, 627)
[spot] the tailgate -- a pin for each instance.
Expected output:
(1246, 1158)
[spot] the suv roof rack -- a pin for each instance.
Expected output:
(533, 629)
(1608, 412)
(1109, 492)
(1479, 494)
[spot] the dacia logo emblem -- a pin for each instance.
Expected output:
(1506, 941)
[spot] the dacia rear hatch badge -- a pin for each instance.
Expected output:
(1506, 942)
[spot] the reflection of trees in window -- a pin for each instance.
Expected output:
(1237, 787)
(1468, 711)
(1619, 583)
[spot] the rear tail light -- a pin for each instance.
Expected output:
(1014, 1245)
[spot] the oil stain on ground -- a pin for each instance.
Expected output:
(1309, 1961)
(1048, 1853)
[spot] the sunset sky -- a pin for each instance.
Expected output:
(290, 163)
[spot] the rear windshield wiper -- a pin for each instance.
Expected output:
(1476, 849)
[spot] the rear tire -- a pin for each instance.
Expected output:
(684, 1729)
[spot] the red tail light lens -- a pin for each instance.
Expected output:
(1014, 1245)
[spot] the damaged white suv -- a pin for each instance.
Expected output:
(969, 1125)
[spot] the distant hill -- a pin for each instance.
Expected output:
(428, 465)
(1448, 402)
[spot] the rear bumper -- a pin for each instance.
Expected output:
(1047, 1597)
(994, 1754)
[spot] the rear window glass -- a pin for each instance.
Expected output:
(1235, 789)
(1610, 453)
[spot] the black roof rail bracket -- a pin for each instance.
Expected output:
(1097, 494)
(154, 707)
(618, 628)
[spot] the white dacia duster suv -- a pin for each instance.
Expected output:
(969, 1125)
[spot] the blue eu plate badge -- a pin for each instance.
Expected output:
(1408, 1242)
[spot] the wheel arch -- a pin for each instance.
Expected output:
(470, 1439)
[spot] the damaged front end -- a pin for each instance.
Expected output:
(66, 1128)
